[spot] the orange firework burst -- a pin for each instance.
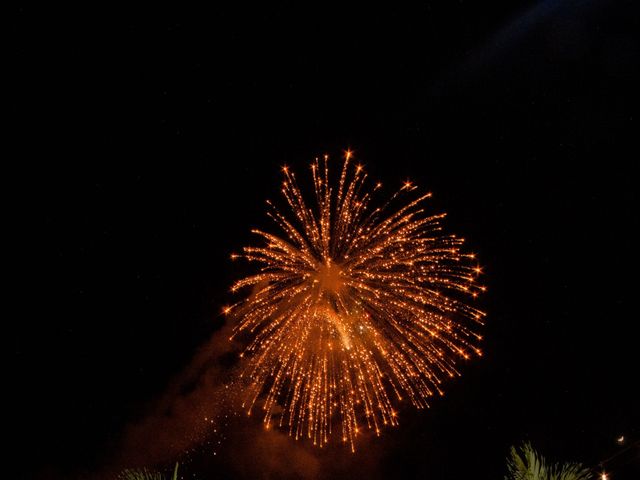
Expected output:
(353, 308)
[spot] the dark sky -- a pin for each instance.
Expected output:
(144, 143)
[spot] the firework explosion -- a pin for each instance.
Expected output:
(353, 308)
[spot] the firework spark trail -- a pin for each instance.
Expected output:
(353, 308)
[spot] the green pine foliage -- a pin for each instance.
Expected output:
(144, 474)
(526, 464)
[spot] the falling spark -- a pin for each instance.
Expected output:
(353, 308)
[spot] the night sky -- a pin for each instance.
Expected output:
(143, 144)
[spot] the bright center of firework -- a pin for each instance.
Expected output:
(352, 308)
(329, 276)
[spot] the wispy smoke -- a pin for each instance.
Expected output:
(183, 420)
